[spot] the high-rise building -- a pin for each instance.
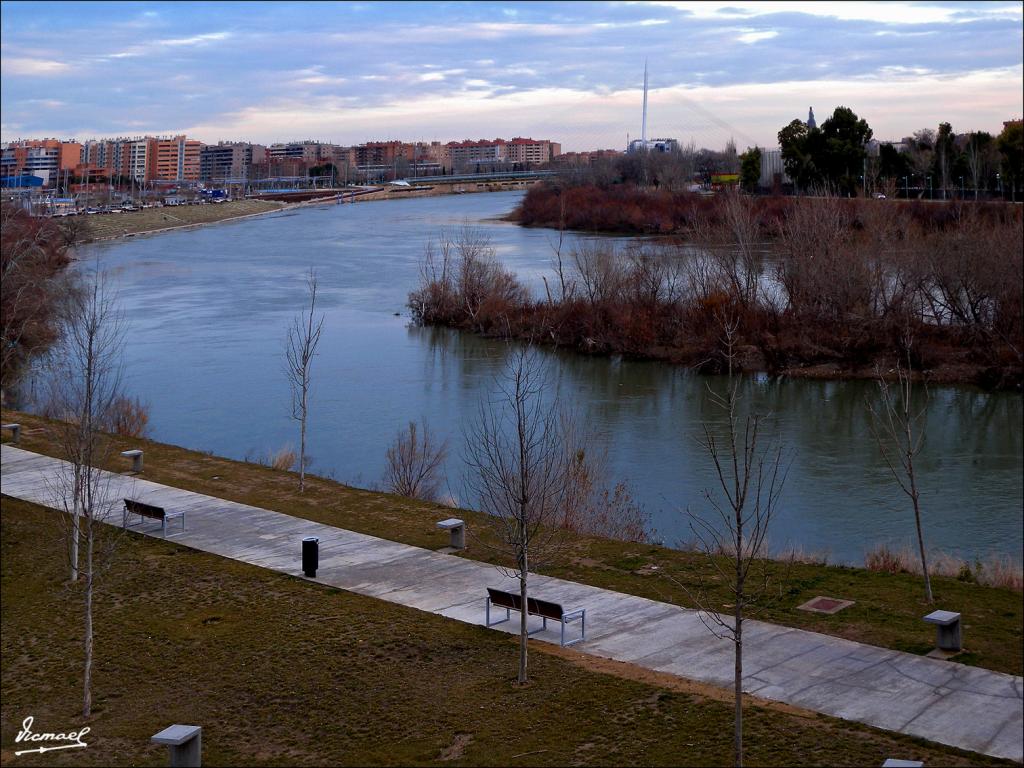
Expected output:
(811, 122)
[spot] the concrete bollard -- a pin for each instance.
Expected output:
(15, 432)
(136, 457)
(457, 532)
(947, 630)
(184, 744)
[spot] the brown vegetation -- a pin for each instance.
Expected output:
(995, 571)
(33, 253)
(817, 286)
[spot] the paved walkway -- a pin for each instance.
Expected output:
(950, 703)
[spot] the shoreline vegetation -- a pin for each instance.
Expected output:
(818, 287)
(888, 599)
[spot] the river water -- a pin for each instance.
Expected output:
(208, 310)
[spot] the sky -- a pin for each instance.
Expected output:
(566, 71)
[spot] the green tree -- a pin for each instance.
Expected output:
(750, 169)
(797, 142)
(1011, 147)
(945, 156)
(892, 164)
(843, 152)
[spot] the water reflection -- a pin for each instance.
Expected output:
(209, 308)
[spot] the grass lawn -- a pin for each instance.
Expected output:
(887, 613)
(151, 219)
(281, 671)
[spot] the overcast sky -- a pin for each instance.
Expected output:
(571, 72)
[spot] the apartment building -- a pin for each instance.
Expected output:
(42, 158)
(531, 151)
(229, 160)
(173, 159)
(585, 158)
(465, 155)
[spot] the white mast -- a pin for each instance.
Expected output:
(643, 132)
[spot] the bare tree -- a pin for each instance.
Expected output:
(900, 433)
(300, 347)
(33, 282)
(518, 464)
(734, 538)
(85, 387)
(978, 153)
(414, 463)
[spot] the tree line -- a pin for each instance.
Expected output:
(938, 164)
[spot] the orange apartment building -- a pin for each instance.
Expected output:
(174, 159)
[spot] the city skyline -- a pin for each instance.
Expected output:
(349, 73)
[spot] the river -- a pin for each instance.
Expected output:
(208, 310)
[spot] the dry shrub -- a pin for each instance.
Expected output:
(996, 571)
(283, 459)
(128, 417)
(595, 509)
(414, 464)
(797, 554)
(886, 560)
(1002, 571)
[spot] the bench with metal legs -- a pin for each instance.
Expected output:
(510, 601)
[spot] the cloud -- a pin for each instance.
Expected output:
(195, 39)
(432, 57)
(753, 36)
(32, 67)
(852, 10)
(46, 103)
(752, 113)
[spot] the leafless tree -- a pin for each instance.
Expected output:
(414, 463)
(568, 290)
(734, 248)
(600, 271)
(900, 431)
(85, 387)
(300, 347)
(33, 283)
(734, 535)
(518, 462)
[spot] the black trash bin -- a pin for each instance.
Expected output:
(310, 556)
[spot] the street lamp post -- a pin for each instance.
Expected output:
(961, 187)
(906, 189)
(929, 187)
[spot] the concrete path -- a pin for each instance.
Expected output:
(949, 703)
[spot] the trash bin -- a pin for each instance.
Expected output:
(310, 555)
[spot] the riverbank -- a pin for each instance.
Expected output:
(109, 226)
(887, 607)
(241, 651)
(83, 229)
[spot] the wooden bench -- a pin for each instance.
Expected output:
(136, 456)
(132, 507)
(511, 601)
